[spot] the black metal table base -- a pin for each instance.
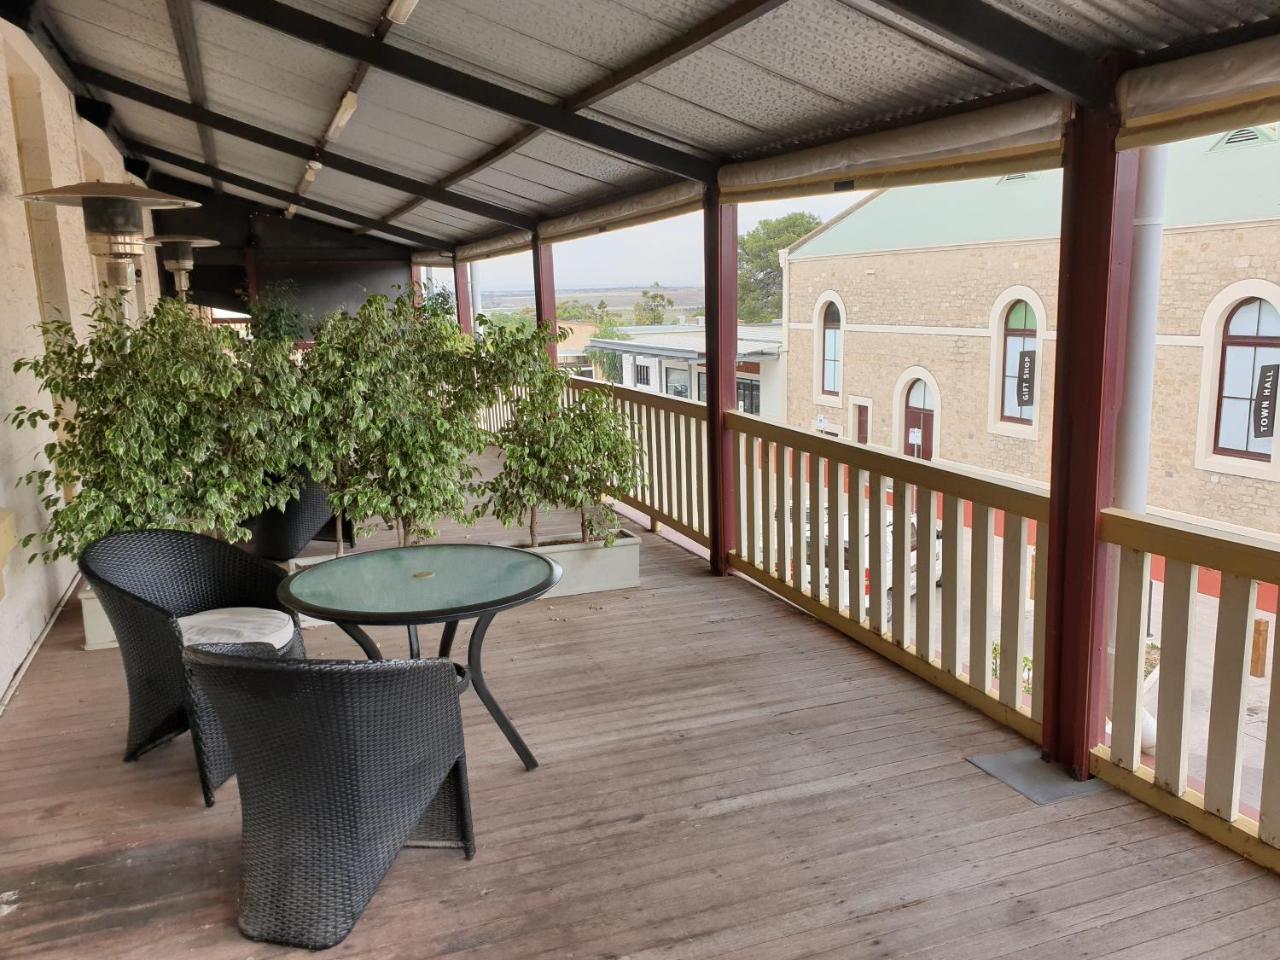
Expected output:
(481, 687)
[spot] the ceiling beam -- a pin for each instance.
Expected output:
(379, 33)
(283, 196)
(297, 148)
(184, 35)
(456, 83)
(703, 34)
(1005, 41)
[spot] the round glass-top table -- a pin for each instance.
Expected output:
(435, 583)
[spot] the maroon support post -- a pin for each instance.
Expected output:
(1098, 203)
(462, 294)
(720, 273)
(544, 291)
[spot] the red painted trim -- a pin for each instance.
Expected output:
(462, 295)
(544, 291)
(720, 273)
(1098, 203)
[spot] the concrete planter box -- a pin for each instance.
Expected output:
(98, 634)
(593, 567)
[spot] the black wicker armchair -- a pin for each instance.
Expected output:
(163, 588)
(283, 534)
(340, 764)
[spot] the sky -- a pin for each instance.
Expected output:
(669, 251)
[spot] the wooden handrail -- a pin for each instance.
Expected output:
(1243, 556)
(659, 401)
(1022, 499)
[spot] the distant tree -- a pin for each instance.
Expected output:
(522, 320)
(608, 327)
(759, 273)
(651, 309)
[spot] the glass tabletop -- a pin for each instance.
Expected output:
(425, 584)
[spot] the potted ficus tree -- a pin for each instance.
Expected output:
(166, 423)
(395, 429)
(568, 450)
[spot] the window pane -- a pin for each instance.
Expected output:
(1233, 424)
(1259, 444)
(1237, 372)
(1017, 317)
(1011, 347)
(831, 316)
(1244, 320)
(831, 376)
(1269, 319)
(1010, 408)
(678, 382)
(831, 345)
(1031, 318)
(702, 388)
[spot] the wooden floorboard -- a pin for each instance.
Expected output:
(723, 777)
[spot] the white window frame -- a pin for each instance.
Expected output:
(648, 368)
(995, 420)
(819, 337)
(1212, 328)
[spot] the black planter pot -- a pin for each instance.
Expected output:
(283, 534)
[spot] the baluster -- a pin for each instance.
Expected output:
(1039, 607)
(700, 448)
(952, 531)
(651, 459)
(1013, 605)
(926, 569)
(815, 527)
(687, 424)
(857, 562)
(747, 549)
(1226, 727)
(1134, 586)
(780, 484)
(797, 520)
(736, 440)
(1269, 818)
(835, 532)
(875, 555)
(901, 612)
(1177, 621)
(767, 523)
(981, 575)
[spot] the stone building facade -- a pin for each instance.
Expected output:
(923, 279)
(47, 267)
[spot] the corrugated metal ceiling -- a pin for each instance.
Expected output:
(806, 70)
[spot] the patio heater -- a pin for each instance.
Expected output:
(177, 251)
(112, 221)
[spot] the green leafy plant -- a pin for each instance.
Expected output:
(397, 393)
(275, 314)
(171, 423)
(609, 362)
(561, 452)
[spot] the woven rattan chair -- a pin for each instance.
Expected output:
(340, 764)
(283, 534)
(148, 581)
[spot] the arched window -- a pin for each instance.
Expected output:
(1018, 368)
(831, 350)
(1248, 376)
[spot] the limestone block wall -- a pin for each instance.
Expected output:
(44, 266)
(937, 311)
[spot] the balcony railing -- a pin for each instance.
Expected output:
(914, 569)
(849, 534)
(1195, 777)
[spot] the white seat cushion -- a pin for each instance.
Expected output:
(237, 625)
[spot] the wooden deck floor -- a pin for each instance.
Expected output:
(722, 777)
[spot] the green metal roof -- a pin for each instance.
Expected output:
(1210, 180)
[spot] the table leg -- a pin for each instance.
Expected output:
(482, 691)
(366, 642)
(414, 649)
(446, 638)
